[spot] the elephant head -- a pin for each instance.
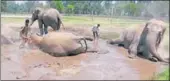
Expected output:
(154, 32)
(35, 15)
(160, 29)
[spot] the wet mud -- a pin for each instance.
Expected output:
(110, 63)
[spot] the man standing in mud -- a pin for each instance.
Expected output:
(23, 33)
(95, 31)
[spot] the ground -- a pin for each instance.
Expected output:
(111, 63)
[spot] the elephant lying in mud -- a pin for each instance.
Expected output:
(60, 43)
(143, 40)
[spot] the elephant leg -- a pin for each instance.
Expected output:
(140, 49)
(41, 27)
(132, 51)
(153, 59)
(58, 25)
(148, 55)
(133, 48)
(54, 26)
(45, 29)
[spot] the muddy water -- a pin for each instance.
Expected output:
(35, 65)
(109, 64)
(146, 68)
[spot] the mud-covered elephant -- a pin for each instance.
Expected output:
(49, 17)
(145, 40)
(60, 43)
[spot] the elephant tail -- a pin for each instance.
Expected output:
(59, 19)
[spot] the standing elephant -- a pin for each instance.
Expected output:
(143, 40)
(50, 17)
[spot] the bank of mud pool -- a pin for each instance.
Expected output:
(33, 64)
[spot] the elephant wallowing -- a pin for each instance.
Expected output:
(60, 43)
(143, 40)
(49, 17)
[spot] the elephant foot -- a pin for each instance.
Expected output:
(153, 59)
(39, 34)
(132, 56)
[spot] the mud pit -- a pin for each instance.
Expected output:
(111, 63)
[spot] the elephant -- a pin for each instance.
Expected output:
(145, 40)
(49, 17)
(60, 43)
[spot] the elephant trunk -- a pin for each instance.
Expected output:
(32, 21)
(151, 41)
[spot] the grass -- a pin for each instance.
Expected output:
(162, 76)
(86, 20)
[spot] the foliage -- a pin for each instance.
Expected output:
(59, 5)
(3, 5)
(131, 9)
(108, 8)
(163, 76)
(70, 8)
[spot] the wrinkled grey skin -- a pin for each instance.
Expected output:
(50, 17)
(146, 42)
(70, 45)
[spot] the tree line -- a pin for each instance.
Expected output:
(108, 8)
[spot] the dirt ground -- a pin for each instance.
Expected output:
(111, 63)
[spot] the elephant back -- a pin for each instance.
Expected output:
(60, 40)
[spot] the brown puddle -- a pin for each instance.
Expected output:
(145, 68)
(57, 64)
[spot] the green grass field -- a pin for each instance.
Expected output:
(87, 20)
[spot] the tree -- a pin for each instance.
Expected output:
(30, 5)
(59, 5)
(158, 8)
(12, 6)
(131, 9)
(3, 6)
